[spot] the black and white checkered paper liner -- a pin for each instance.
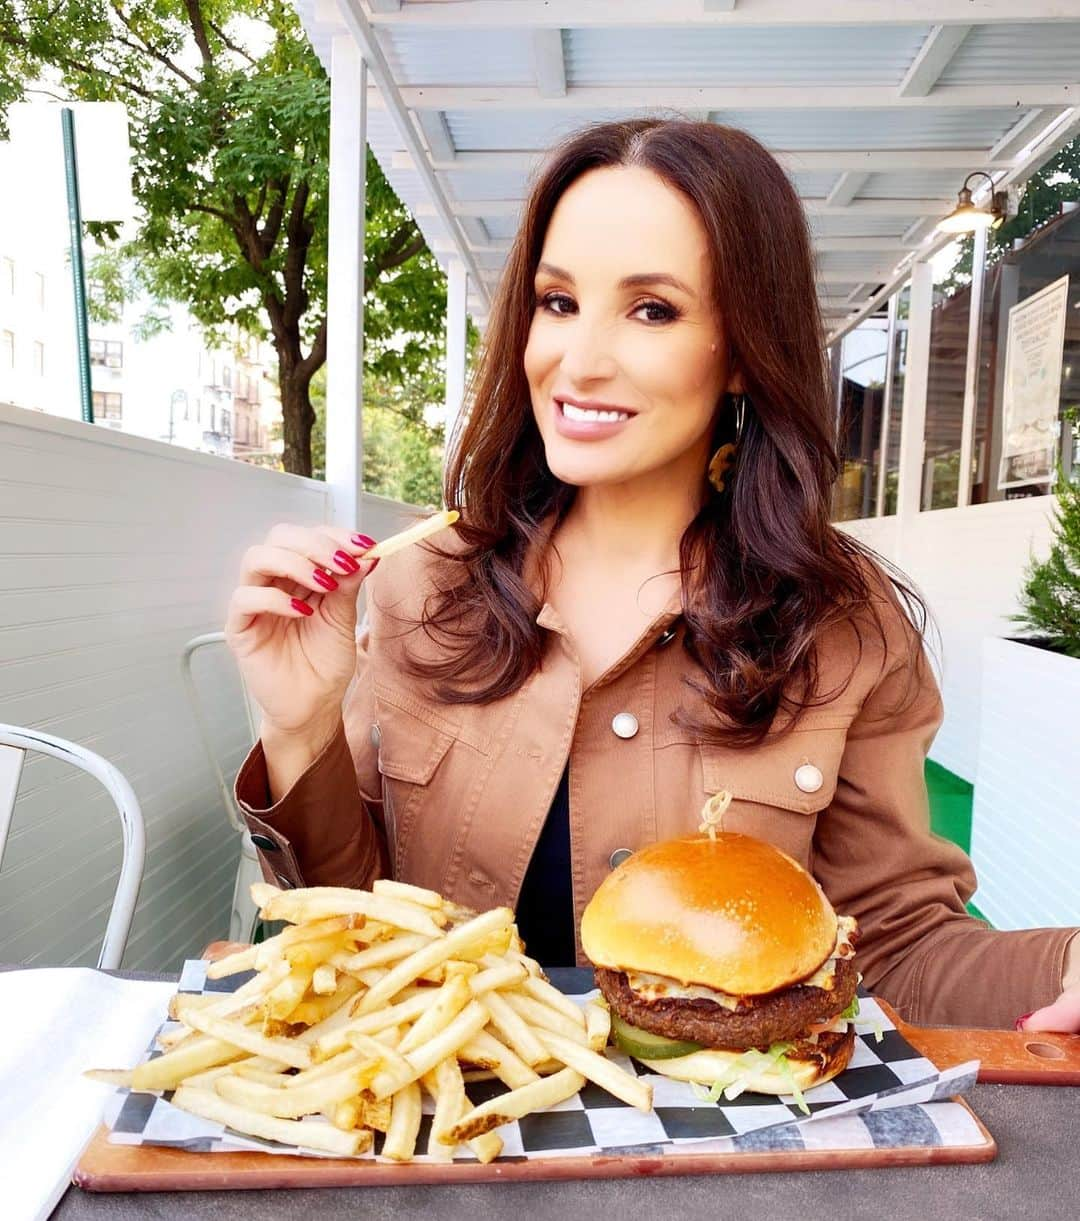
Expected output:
(889, 1097)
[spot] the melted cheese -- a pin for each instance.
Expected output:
(660, 987)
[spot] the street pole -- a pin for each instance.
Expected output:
(78, 269)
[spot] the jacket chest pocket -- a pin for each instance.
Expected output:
(778, 787)
(412, 750)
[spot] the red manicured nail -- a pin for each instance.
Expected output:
(1022, 1019)
(363, 540)
(302, 607)
(345, 562)
(321, 577)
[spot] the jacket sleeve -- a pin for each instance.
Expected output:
(878, 861)
(328, 829)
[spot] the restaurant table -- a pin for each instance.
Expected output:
(1036, 1174)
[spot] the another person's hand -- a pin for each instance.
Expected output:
(1064, 1014)
(291, 626)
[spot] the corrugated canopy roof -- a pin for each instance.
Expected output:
(877, 110)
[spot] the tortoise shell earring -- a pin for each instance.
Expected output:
(724, 459)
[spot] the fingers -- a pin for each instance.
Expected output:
(248, 601)
(1063, 1015)
(264, 564)
(331, 547)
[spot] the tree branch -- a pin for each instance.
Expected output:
(228, 42)
(316, 357)
(145, 48)
(269, 234)
(198, 28)
(394, 258)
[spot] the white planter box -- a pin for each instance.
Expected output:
(1026, 816)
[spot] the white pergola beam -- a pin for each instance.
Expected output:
(437, 134)
(796, 161)
(389, 96)
(384, 6)
(600, 14)
(848, 185)
(933, 58)
(1020, 135)
(872, 275)
(549, 63)
(813, 207)
(457, 289)
(731, 97)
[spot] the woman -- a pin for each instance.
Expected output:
(644, 603)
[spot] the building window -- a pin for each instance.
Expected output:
(108, 405)
(39, 289)
(226, 377)
(39, 358)
(7, 350)
(107, 353)
(7, 276)
(861, 388)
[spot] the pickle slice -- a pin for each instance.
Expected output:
(644, 1045)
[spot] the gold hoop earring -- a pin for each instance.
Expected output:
(724, 459)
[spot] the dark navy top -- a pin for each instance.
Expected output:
(545, 910)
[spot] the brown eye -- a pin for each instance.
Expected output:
(657, 311)
(558, 304)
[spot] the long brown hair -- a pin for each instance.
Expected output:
(770, 573)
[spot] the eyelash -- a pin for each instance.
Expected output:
(670, 313)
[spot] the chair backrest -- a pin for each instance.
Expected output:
(14, 743)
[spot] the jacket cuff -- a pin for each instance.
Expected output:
(318, 833)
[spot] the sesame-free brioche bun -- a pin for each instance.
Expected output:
(733, 914)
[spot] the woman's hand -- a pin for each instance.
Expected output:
(1064, 1014)
(291, 626)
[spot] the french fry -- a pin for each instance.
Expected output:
(484, 1048)
(469, 1022)
(233, 964)
(318, 902)
(603, 1072)
(407, 893)
(167, 1071)
(414, 534)
(448, 1003)
(514, 1029)
(540, 990)
(282, 999)
(597, 1025)
(381, 952)
(322, 1013)
(504, 975)
(544, 1017)
(371, 1023)
(242, 1038)
(450, 945)
(346, 1115)
(374, 1113)
(321, 1136)
(291, 1102)
(249, 1071)
(111, 1076)
(400, 1142)
(324, 980)
(517, 1103)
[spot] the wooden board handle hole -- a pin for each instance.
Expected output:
(1045, 1051)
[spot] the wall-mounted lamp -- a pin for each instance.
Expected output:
(966, 217)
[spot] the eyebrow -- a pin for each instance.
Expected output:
(640, 280)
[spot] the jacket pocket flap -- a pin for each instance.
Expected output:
(798, 772)
(410, 748)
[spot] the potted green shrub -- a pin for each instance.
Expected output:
(1024, 840)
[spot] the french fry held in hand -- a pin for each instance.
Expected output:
(363, 999)
(414, 534)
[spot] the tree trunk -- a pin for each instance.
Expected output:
(297, 413)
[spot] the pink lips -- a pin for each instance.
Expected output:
(585, 430)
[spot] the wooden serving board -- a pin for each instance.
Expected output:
(106, 1167)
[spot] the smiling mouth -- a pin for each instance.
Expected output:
(591, 415)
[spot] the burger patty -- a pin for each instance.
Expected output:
(757, 1022)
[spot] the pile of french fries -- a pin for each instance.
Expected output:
(366, 999)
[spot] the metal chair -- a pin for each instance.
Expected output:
(14, 743)
(244, 914)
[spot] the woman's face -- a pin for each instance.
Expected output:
(626, 359)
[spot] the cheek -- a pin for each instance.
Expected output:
(540, 356)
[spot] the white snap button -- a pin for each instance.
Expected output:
(809, 778)
(618, 856)
(624, 724)
(376, 735)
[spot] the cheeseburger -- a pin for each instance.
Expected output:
(724, 964)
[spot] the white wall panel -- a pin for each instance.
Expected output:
(114, 551)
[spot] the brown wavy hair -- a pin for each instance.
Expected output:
(765, 574)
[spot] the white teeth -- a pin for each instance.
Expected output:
(581, 413)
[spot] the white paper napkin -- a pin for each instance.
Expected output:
(54, 1023)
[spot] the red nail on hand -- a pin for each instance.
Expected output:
(321, 577)
(1019, 1024)
(302, 607)
(363, 540)
(345, 562)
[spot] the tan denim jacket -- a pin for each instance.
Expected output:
(454, 797)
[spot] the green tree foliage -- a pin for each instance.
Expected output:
(1050, 598)
(229, 111)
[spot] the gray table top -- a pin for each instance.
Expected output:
(1037, 1129)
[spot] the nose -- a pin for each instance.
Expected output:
(587, 355)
